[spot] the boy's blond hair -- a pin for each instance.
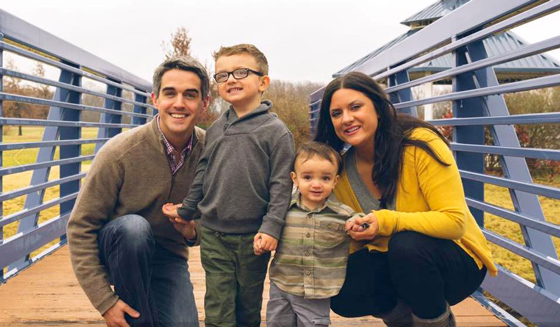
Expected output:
(244, 48)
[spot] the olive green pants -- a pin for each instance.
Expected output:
(234, 279)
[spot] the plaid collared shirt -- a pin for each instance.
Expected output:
(310, 260)
(174, 162)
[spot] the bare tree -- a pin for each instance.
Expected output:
(291, 103)
(180, 44)
(14, 86)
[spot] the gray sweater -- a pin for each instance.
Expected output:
(242, 182)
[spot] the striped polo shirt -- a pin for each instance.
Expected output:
(312, 252)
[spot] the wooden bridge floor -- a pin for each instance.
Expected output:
(47, 294)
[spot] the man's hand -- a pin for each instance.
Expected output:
(267, 242)
(170, 210)
(185, 227)
(355, 228)
(115, 316)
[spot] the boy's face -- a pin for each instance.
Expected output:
(315, 178)
(179, 103)
(242, 93)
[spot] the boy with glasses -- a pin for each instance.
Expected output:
(242, 189)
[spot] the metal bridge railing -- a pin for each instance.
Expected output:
(478, 101)
(62, 146)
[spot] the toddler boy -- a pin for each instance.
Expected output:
(309, 266)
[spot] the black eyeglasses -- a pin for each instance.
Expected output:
(239, 73)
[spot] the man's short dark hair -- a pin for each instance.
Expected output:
(185, 63)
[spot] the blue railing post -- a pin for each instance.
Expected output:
(41, 175)
(516, 168)
(402, 95)
(139, 110)
(472, 107)
(70, 133)
(106, 118)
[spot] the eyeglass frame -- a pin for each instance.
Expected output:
(248, 70)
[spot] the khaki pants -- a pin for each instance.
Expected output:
(234, 279)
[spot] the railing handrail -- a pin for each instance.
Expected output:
(29, 35)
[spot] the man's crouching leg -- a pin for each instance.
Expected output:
(126, 247)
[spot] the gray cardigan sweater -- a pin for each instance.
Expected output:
(129, 175)
(242, 182)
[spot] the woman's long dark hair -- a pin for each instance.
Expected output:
(392, 135)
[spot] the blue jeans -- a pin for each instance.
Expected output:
(147, 277)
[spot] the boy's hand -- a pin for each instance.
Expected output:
(363, 228)
(170, 210)
(267, 242)
(257, 249)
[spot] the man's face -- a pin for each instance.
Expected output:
(179, 104)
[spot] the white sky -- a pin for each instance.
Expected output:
(304, 40)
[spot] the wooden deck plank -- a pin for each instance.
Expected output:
(47, 294)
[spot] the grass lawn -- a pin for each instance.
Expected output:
(26, 156)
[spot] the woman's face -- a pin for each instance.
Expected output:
(354, 118)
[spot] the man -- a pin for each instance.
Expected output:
(117, 232)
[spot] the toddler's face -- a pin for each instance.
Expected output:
(315, 178)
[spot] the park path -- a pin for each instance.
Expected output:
(47, 294)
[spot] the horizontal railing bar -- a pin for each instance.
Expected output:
(68, 105)
(61, 123)
(42, 144)
(7, 72)
(547, 191)
(24, 213)
(531, 301)
(516, 217)
(529, 50)
(536, 12)
(499, 312)
(524, 251)
(23, 244)
(535, 83)
(19, 169)
(15, 271)
(38, 187)
(545, 118)
(508, 151)
(31, 55)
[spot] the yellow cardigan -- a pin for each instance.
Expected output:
(429, 200)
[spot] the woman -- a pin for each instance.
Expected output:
(422, 249)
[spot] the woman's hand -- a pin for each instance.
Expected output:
(363, 228)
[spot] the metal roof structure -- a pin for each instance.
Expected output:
(530, 67)
(434, 11)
